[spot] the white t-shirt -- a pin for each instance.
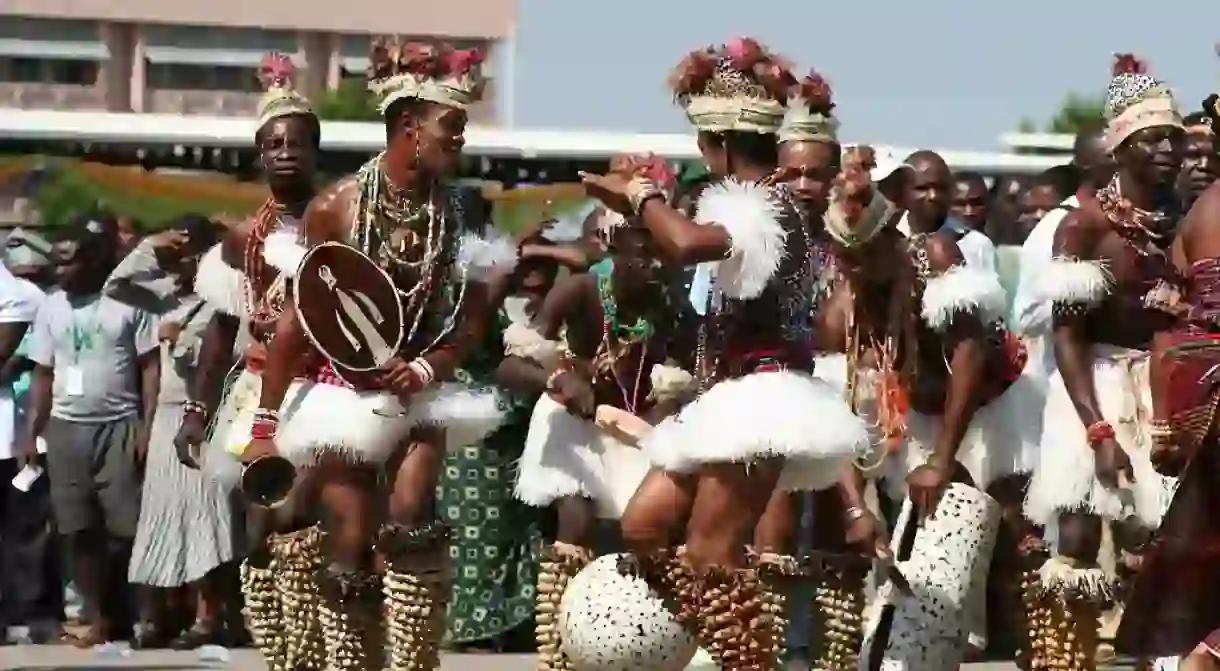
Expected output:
(1031, 316)
(977, 249)
(19, 302)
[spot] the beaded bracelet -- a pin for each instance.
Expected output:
(194, 408)
(1098, 432)
(423, 371)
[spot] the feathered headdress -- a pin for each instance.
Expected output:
(811, 113)
(740, 86)
(1136, 100)
(857, 210)
(436, 73)
(276, 73)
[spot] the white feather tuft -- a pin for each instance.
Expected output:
(571, 226)
(774, 414)
(1066, 280)
(963, 289)
(527, 343)
(751, 215)
(482, 257)
(219, 284)
(468, 414)
(670, 383)
(283, 251)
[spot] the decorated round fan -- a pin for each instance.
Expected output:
(348, 306)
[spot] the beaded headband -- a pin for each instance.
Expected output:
(435, 73)
(1136, 100)
(857, 210)
(811, 113)
(737, 87)
(276, 73)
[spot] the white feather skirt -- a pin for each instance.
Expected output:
(363, 426)
(781, 414)
(1003, 437)
(367, 426)
(1064, 479)
(567, 456)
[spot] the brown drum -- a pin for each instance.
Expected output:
(348, 306)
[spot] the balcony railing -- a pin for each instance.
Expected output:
(51, 96)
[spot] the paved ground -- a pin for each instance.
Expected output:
(52, 658)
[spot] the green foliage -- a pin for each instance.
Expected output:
(351, 101)
(70, 191)
(1078, 112)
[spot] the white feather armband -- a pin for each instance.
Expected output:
(670, 383)
(1072, 281)
(526, 343)
(963, 290)
(220, 285)
(481, 257)
(751, 215)
(283, 251)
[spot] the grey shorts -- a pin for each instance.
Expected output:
(95, 482)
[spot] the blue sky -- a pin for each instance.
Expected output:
(933, 73)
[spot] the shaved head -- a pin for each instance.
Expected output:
(925, 159)
(925, 195)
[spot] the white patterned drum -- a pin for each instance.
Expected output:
(613, 622)
(947, 569)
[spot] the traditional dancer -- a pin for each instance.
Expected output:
(917, 327)
(409, 320)
(617, 368)
(1113, 287)
(247, 298)
(809, 157)
(758, 409)
(1171, 612)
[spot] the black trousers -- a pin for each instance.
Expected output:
(31, 588)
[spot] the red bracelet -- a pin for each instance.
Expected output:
(263, 429)
(1099, 431)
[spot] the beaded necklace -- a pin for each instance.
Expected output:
(617, 339)
(381, 210)
(262, 303)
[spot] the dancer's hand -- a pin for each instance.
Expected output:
(258, 448)
(925, 484)
(189, 437)
(1111, 464)
(1166, 458)
(399, 378)
(575, 394)
(611, 189)
(866, 535)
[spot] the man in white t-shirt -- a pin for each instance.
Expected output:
(28, 610)
(932, 200)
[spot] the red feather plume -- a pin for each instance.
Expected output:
(1128, 64)
(276, 69)
(460, 62)
(854, 184)
(816, 93)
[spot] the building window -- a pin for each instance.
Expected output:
(49, 71)
(183, 77)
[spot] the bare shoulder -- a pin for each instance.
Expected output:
(330, 211)
(943, 252)
(233, 244)
(1080, 233)
(1205, 213)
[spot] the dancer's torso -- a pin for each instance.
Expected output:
(771, 331)
(1146, 289)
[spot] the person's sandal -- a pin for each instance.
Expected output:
(149, 637)
(91, 638)
(196, 637)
